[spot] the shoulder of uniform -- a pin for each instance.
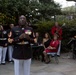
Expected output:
(30, 28)
(15, 27)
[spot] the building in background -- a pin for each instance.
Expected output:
(34, 0)
(71, 0)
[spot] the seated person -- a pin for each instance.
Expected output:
(38, 38)
(37, 50)
(53, 47)
(46, 42)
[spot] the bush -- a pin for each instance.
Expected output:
(68, 31)
(44, 26)
(5, 20)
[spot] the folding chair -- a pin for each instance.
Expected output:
(54, 54)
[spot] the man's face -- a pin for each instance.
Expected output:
(37, 34)
(22, 20)
(11, 26)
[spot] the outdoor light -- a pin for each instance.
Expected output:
(52, 16)
(36, 9)
(32, 11)
(38, 13)
(30, 15)
(26, 15)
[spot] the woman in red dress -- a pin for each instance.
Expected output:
(53, 47)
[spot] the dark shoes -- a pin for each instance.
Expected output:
(58, 55)
(11, 61)
(47, 62)
(3, 63)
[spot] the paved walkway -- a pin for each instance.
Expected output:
(66, 66)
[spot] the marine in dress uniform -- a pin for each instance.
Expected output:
(3, 45)
(10, 45)
(22, 53)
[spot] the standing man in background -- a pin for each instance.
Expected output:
(57, 30)
(10, 45)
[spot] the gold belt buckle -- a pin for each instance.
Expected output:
(22, 42)
(2, 38)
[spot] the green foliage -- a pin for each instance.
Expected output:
(4, 19)
(16, 8)
(44, 26)
(13, 8)
(49, 8)
(69, 30)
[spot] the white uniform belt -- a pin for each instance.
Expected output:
(23, 43)
(3, 38)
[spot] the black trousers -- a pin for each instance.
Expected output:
(37, 52)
